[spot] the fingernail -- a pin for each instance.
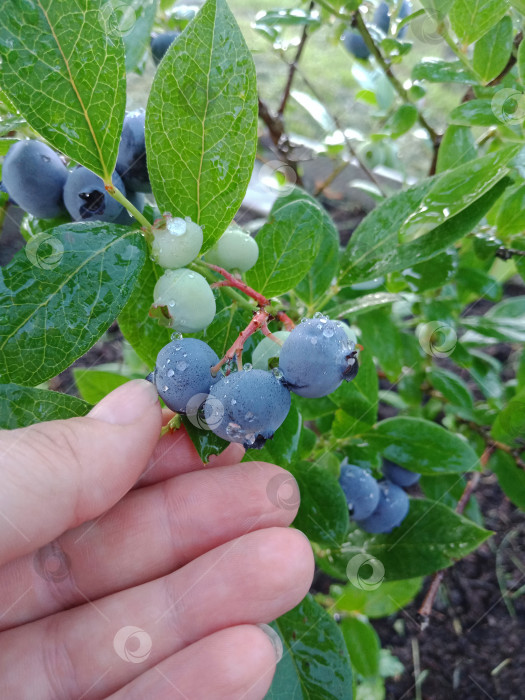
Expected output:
(127, 404)
(274, 639)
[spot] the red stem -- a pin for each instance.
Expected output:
(259, 320)
(285, 320)
(231, 281)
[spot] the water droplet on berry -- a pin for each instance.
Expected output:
(177, 226)
(233, 402)
(249, 438)
(234, 430)
(313, 341)
(185, 354)
(247, 367)
(304, 319)
(328, 331)
(249, 417)
(178, 347)
(165, 387)
(168, 361)
(176, 336)
(277, 373)
(181, 366)
(171, 373)
(318, 314)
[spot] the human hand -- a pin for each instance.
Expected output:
(128, 569)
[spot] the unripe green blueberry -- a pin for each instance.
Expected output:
(188, 297)
(267, 349)
(177, 244)
(235, 250)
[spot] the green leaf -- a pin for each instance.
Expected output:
(201, 122)
(472, 20)
(284, 18)
(374, 250)
(475, 113)
(493, 50)
(521, 61)
(448, 489)
(457, 189)
(61, 293)
(437, 71)
(437, 8)
(135, 20)
(63, 68)
(509, 426)
(5, 145)
(511, 215)
(453, 389)
(432, 273)
(225, 328)
(477, 282)
(21, 406)
(382, 601)
(93, 384)
(363, 645)
(424, 447)
(458, 146)
(510, 477)
(430, 538)
(315, 665)
(205, 442)
(380, 336)
(288, 246)
(144, 333)
(323, 513)
(504, 330)
(324, 268)
(402, 120)
(359, 398)
(354, 307)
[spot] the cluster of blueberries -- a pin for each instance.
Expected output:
(37, 179)
(355, 43)
(377, 506)
(247, 406)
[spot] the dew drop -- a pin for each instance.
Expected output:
(168, 361)
(171, 303)
(178, 347)
(328, 331)
(165, 387)
(247, 367)
(176, 336)
(233, 402)
(313, 341)
(304, 319)
(234, 430)
(249, 438)
(249, 417)
(176, 226)
(171, 373)
(319, 315)
(181, 366)
(277, 373)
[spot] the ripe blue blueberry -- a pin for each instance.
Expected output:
(183, 372)
(34, 176)
(247, 407)
(131, 161)
(398, 475)
(382, 17)
(317, 357)
(391, 510)
(160, 43)
(361, 490)
(86, 198)
(355, 44)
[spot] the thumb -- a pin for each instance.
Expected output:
(59, 474)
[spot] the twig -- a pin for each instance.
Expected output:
(279, 137)
(496, 445)
(425, 610)
(293, 68)
(259, 321)
(285, 320)
(508, 253)
(232, 281)
(360, 24)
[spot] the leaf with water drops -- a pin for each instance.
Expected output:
(201, 122)
(61, 293)
(21, 406)
(63, 68)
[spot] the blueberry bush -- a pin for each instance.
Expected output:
(367, 365)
